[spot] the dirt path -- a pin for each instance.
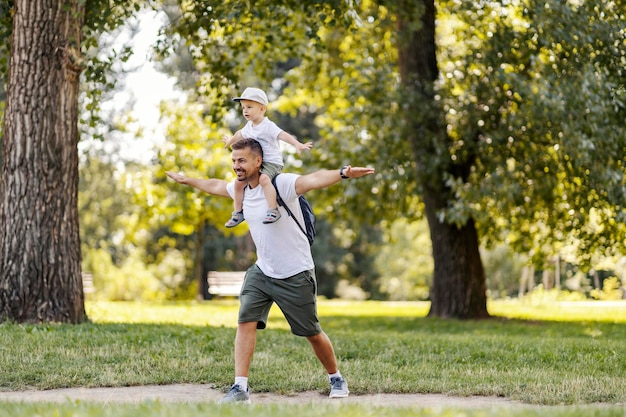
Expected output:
(189, 393)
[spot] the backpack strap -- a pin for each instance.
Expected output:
(281, 202)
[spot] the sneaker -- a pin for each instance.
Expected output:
(237, 217)
(271, 216)
(236, 395)
(338, 387)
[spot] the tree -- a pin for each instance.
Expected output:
(40, 278)
(40, 247)
(459, 286)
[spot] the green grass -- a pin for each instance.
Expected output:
(155, 409)
(561, 354)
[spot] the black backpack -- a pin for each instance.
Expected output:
(307, 212)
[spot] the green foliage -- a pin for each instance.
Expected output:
(6, 18)
(115, 239)
(105, 51)
(611, 290)
(350, 80)
(503, 270)
(511, 84)
(542, 296)
(104, 205)
(134, 280)
(344, 254)
(405, 261)
(538, 100)
(193, 146)
(230, 38)
(100, 61)
(235, 44)
(103, 16)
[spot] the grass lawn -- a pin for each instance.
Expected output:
(564, 355)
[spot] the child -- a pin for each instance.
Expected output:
(253, 105)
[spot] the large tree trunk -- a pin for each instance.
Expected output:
(40, 279)
(458, 289)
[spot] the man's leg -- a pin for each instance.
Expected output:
(324, 351)
(302, 317)
(245, 342)
(296, 297)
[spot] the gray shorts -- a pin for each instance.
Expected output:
(295, 296)
(271, 169)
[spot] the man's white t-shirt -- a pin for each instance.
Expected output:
(266, 133)
(281, 247)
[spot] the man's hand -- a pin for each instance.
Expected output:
(179, 178)
(357, 172)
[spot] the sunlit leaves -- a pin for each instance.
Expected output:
(193, 146)
(532, 94)
(540, 95)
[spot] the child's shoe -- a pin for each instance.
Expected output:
(271, 216)
(236, 218)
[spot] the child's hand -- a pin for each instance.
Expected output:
(304, 146)
(226, 139)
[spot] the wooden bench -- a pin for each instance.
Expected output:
(88, 287)
(225, 283)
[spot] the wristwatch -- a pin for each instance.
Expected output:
(344, 176)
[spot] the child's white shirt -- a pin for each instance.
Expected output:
(266, 133)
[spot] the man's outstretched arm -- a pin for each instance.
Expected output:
(324, 178)
(211, 186)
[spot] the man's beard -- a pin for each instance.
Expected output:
(243, 177)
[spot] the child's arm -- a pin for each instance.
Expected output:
(229, 140)
(286, 137)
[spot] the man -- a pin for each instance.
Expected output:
(284, 272)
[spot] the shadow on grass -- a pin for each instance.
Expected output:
(423, 326)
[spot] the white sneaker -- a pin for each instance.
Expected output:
(338, 387)
(236, 395)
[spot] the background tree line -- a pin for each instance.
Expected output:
(495, 122)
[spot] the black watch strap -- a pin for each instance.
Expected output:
(341, 174)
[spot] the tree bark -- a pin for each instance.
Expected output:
(459, 287)
(40, 277)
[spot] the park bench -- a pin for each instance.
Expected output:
(225, 283)
(88, 287)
